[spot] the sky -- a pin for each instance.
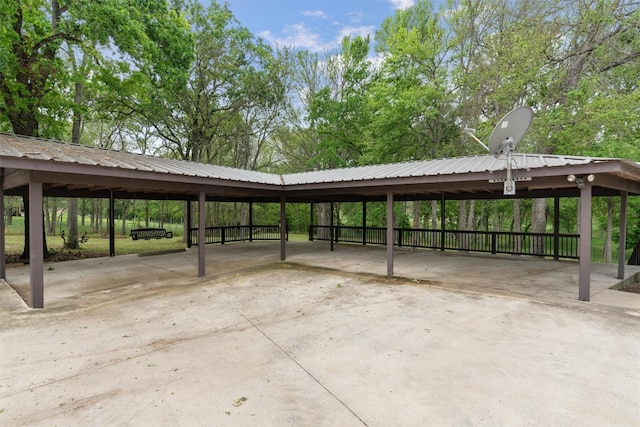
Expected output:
(314, 25)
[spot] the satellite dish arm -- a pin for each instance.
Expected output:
(470, 132)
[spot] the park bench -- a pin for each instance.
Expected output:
(150, 233)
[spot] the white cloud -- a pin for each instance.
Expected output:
(297, 36)
(356, 16)
(363, 31)
(401, 4)
(314, 13)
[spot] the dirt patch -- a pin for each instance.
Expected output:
(631, 287)
(57, 256)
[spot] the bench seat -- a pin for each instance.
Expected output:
(150, 233)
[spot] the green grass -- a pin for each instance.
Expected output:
(17, 227)
(14, 244)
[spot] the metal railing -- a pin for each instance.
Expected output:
(495, 242)
(236, 233)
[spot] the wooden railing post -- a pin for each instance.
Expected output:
(251, 221)
(494, 237)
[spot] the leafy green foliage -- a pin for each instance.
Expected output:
(134, 44)
(339, 110)
(230, 102)
(410, 102)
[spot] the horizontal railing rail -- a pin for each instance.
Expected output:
(237, 233)
(560, 245)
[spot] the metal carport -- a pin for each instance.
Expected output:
(37, 168)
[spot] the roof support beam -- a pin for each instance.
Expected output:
(112, 225)
(616, 183)
(3, 267)
(283, 228)
(389, 234)
(584, 272)
(16, 179)
(36, 246)
(201, 233)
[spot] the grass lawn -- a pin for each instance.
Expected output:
(99, 245)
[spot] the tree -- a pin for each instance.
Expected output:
(230, 99)
(339, 110)
(564, 59)
(412, 106)
(148, 44)
(297, 138)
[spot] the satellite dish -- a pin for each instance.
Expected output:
(505, 136)
(510, 130)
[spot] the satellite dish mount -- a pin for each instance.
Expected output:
(505, 137)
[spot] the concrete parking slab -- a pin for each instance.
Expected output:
(141, 340)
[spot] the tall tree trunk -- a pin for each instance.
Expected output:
(324, 218)
(8, 213)
(72, 224)
(538, 225)
(53, 205)
(415, 216)
(124, 218)
(47, 215)
(471, 217)
(435, 241)
(92, 218)
(463, 242)
(434, 214)
(517, 225)
(462, 215)
(416, 221)
(99, 215)
(83, 211)
(471, 223)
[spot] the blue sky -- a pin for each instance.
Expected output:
(315, 25)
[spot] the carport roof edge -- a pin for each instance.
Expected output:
(37, 149)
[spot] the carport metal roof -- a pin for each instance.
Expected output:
(76, 170)
(38, 167)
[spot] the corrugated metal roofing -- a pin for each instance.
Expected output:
(40, 149)
(448, 166)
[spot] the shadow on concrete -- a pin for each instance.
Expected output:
(523, 277)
